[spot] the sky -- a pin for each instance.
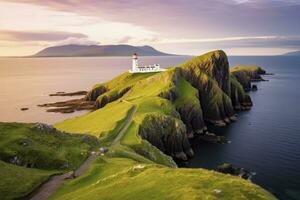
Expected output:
(188, 27)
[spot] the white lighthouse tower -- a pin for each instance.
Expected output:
(135, 64)
(143, 69)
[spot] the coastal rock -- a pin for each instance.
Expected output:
(110, 96)
(246, 74)
(79, 93)
(192, 117)
(95, 93)
(210, 75)
(168, 134)
(69, 106)
(254, 88)
(243, 79)
(240, 100)
(227, 168)
(213, 138)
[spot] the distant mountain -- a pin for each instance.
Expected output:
(98, 50)
(293, 53)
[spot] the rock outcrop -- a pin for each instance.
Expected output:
(110, 96)
(210, 75)
(246, 74)
(240, 100)
(93, 94)
(167, 134)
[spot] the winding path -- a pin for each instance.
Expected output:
(126, 125)
(48, 188)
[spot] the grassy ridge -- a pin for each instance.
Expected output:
(120, 178)
(39, 154)
(45, 150)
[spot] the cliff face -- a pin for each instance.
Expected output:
(209, 74)
(166, 133)
(240, 100)
(177, 104)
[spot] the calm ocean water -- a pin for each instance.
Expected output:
(27, 82)
(265, 139)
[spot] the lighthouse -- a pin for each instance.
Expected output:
(143, 69)
(135, 64)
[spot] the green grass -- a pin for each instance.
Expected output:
(186, 93)
(252, 68)
(120, 178)
(41, 149)
(16, 182)
(99, 122)
(44, 153)
(116, 175)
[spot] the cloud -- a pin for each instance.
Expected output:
(12, 35)
(240, 42)
(125, 40)
(192, 18)
(183, 25)
(80, 41)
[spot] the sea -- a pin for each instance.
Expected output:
(264, 140)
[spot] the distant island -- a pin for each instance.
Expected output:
(74, 50)
(293, 53)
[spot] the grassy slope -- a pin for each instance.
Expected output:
(18, 181)
(113, 177)
(252, 68)
(119, 178)
(46, 152)
(42, 150)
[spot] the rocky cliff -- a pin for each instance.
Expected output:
(245, 74)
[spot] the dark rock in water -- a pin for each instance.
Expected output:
(211, 137)
(69, 106)
(254, 88)
(24, 109)
(79, 93)
(227, 168)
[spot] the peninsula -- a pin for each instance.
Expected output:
(140, 124)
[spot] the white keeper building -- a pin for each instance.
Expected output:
(143, 69)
